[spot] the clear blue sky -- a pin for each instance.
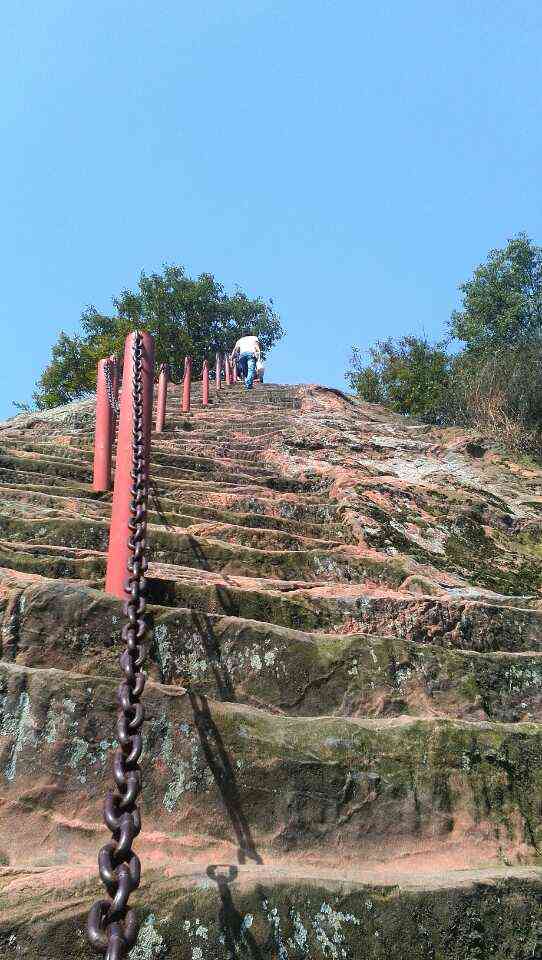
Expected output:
(353, 160)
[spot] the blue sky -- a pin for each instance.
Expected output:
(352, 160)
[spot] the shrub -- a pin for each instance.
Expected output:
(409, 375)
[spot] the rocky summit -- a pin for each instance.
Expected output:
(343, 749)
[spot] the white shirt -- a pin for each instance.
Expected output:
(247, 345)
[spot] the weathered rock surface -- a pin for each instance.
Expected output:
(343, 754)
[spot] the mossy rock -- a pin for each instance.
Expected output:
(225, 912)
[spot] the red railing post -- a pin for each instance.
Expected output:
(205, 384)
(162, 397)
(104, 428)
(187, 381)
(227, 367)
(119, 553)
(218, 371)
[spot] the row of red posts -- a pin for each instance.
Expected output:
(224, 369)
(125, 538)
(107, 392)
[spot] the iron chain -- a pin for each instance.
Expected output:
(108, 370)
(112, 926)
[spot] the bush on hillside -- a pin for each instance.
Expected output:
(493, 383)
(409, 375)
(499, 394)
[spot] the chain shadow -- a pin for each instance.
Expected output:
(230, 922)
(156, 503)
(222, 770)
(227, 603)
(211, 741)
(199, 555)
(211, 647)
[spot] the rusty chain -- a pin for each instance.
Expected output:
(112, 926)
(109, 366)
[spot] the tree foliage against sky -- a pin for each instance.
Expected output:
(185, 316)
(502, 302)
(494, 379)
(409, 375)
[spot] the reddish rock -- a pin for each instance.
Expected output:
(346, 684)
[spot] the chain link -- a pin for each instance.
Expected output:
(113, 927)
(109, 366)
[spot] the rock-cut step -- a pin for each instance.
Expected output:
(277, 785)
(256, 501)
(53, 562)
(69, 626)
(211, 907)
(218, 554)
(79, 500)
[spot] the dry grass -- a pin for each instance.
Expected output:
(501, 397)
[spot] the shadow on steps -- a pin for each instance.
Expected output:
(231, 923)
(222, 770)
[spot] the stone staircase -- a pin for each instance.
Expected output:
(343, 750)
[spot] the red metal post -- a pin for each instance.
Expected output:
(103, 431)
(227, 368)
(205, 384)
(218, 371)
(186, 384)
(162, 397)
(119, 554)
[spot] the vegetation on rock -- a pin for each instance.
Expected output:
(493, 382)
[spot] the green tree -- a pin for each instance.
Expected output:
(71, 373)
(185, 316)
(410, 375)
(494, 383)
(502, 302)
(365, 379)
